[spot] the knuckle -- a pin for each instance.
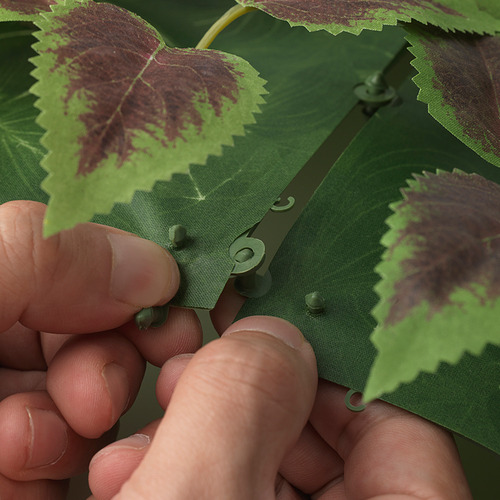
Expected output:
(249, 370)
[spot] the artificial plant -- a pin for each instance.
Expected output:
(146, 127)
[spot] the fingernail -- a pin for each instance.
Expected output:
(143, 273)
(49, 438)
(134, 442)
(117, 384)
(276, 327)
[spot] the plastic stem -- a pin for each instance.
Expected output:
(224, 21)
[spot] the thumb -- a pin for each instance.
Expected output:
(239, 405)
(90, 278)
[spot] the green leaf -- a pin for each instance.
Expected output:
(132, 111)
(182, 23)
(334, 247)
(20, 149)
(492, 7)
(307, 100)
(459, 78)
(24, 10)
(353, 16)
(440, 288)
(233, 192)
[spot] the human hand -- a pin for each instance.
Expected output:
(62, 393)
(245, 419)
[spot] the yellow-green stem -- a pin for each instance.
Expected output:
(224, 21)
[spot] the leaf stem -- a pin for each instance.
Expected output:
(232, 14)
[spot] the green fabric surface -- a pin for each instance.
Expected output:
(459, 78)
(490, 6)
(119, 124)
(310, 80)
(20, 149)
(439, 289)
(334, 247)
(181, 22)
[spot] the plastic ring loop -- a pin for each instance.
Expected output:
(283, 208)
(256, 251)
(348, 403)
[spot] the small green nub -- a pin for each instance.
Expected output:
(374, 92)
(376, 84)
(151, 317)
(244, 254)
(177, 235)
(315, 303)
(144, 318)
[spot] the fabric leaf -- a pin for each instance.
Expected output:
(334, 247)
(352, 16)
(440, 287)
(20, 149)
(307, 100)
(23, 10)
(459, 79)
(132, 110)
(492, 7)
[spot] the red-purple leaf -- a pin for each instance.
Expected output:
(133, 83)
(440, 287)
(353, 16)
(449, 226)
(23, 10)
(123, 110)
(459, 78)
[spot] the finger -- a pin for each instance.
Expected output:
(33, 490)
(93, 380)
(227, 307)
(112, 466)
(91, 278)
(240, 404)
(20, 349)
(388, 451)
(181, 333)
(169, 375)
(52, 343)
(285, 491)
(14, 381)
(311, 463)
(38, 444)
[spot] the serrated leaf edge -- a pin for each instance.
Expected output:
(389, 236)
(50, 137)
(433, 97)
(394, 19)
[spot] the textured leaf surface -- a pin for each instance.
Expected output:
(234, 191)
(23, 10)
(335, 246)
(307, 100)
(352, 16)
(133, 110)
(492, 7)
(459, 78)
(183, 24)
(20, 149)
(440, 288)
